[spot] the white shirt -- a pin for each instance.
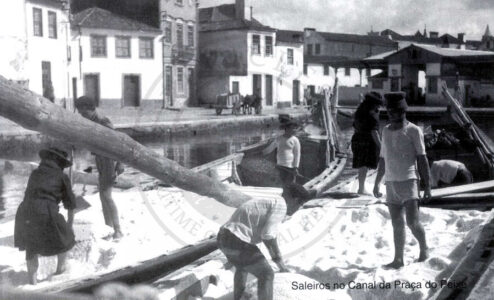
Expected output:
(400, 149)
(288, 151)
(257, 219)
(444, 170)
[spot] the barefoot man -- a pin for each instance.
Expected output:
(253, 222)
(402, 153)
(108, 169)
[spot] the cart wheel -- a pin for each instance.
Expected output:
(218, 111)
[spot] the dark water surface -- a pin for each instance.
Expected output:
(189, 152)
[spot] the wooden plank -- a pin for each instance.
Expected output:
(462, 189)
(16, 294)
(39, 114)
(236, 157)
(142, 272)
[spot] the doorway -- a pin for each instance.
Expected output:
(192, 86)
(269, 90)
(131, 90)
(296, 92)
(91, 87)
(256, 85)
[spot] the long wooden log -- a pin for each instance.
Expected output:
(39, 114)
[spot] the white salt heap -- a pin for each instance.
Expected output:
(341, 248)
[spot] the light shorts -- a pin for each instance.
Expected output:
(397, 192)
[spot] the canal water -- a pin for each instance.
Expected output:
(189, 152)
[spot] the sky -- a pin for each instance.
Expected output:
(353, 16)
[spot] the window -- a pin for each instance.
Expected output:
(326, 70)
(432, 86)
(318, 48)
(190, 35)
(289, 58)
(235, 87)
(37, 22)
(256, 44)
(168, 31)
(347, 71)
(269, 46)
(395, 84)
(168, 81)
(377, 84)
(305, 69)
(52, 25)
(180, 80)
(309, 49)
(98, 46)
(122, 46)
(180, 35)
(146, 47)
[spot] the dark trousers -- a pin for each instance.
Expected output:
(287, 175)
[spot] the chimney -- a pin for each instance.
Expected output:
(433, 34)
(461, 37)
(240, 9)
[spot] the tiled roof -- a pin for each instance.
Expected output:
(290, 36)
(56, 3)
(356, 38)
(223, 17)
(380, 56)
(96, 17)
(450, 52)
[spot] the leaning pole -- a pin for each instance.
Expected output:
(34, 112)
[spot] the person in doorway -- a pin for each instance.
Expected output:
(448, 172)
(39, 227)
(108, 169)
(402, 152)
(288, 155)
(256, 221)
(366, 142)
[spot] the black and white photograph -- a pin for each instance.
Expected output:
(246, 149)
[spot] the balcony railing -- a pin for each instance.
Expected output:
(183, 54)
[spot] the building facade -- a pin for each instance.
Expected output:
(239, 54)
(466, 73)
(116, 60)
(35, 35)
(329, 55)
(180, 51)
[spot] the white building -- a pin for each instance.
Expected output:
(34, 37)
(239, 54)
(290, 55)
(116, 60)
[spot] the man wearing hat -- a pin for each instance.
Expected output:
(107, 168)
(288, 155)
(402, 155)
(39, 227)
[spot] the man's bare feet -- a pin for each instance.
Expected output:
(394, 265)
(117, 235)
(424, 255)
(61, 270)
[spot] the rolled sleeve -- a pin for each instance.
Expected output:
(276, 216)
(418, 141)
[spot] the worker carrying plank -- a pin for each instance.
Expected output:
(256, 221)
(108, 169)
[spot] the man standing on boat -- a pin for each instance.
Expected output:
(288, 155)
(402, 153)
(107, 168)
(256, 221)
